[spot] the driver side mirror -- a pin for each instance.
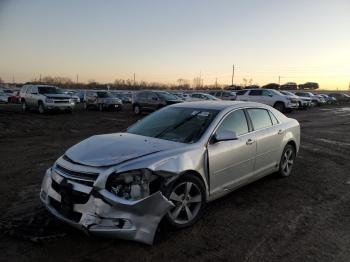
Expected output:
(225, 136)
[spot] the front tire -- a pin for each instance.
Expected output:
(279, 106)
(41, 108)
(137, 109)
(24, 106)
(287, 161)
(189, 197)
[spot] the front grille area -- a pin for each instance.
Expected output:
(65, 210)
(69, 197)
(66, 191)
(61, 101)
(74, 175)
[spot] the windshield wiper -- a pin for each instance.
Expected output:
(176, 126)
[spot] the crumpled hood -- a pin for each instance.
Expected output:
(112, 149)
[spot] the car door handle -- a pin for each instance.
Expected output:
(280, 132)
(250, 141)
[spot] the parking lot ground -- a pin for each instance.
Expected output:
(305, 217)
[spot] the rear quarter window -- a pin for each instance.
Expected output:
(260, 118)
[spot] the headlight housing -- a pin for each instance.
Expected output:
(131, 185)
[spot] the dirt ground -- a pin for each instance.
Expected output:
(305, 217)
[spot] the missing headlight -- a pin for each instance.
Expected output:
(131, 185)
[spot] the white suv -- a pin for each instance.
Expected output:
(269, 97)
(44, 98)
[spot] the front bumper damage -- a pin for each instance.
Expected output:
(101, 213)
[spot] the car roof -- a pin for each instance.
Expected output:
(218, 105)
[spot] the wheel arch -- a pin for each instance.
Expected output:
(279, 102)
(192, 173)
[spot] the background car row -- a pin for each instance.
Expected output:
(47, 97)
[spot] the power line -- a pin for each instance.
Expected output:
(233, 74)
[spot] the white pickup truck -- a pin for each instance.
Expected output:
(269, 97)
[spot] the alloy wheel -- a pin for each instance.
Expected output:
(287, 161)
(187, 199)
(41, 109)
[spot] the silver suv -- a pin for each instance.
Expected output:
(44, 98)
(102, 100)
(269, 97)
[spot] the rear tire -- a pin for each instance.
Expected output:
(287, 161)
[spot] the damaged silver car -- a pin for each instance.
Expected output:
(167, 167)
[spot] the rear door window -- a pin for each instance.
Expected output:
(255, 92)
(260, 118)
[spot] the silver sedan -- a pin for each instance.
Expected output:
(167, 167)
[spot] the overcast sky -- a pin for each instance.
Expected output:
(163, 40)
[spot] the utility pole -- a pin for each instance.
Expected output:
(279, 80)
(134, 80)
(77, 78)
(233, 74)
(216, 83)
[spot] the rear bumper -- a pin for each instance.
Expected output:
(105, 214)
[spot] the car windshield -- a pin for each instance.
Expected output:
(104, 94)
(49, 90)
(211, 97)
(178, 124)
(287, 93)
(276, 92)
(167, 96)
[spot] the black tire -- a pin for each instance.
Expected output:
(86, 107)
(100, 107)
(137, 110)
(24, 106)
(192, 201)
(41, 108)
(279, 106)
(285, 166)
